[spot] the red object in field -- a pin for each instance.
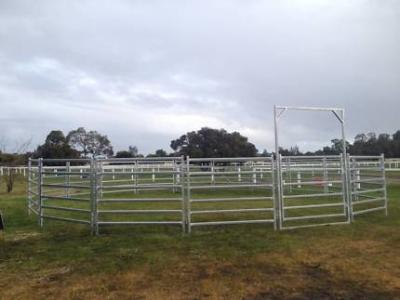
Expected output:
(318, 181)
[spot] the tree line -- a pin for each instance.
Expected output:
(206, 142)
(364, 144)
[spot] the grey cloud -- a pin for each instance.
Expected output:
(144, 72)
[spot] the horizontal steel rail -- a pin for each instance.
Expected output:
(312, 182)
(139, 159)
(232, 222)
(230, 199)
(228, 159)
(113, 200)
(355, 202)
(359, 212)
(139, 211)
(314, 217)
(311, 195)
(66, 160)
(139, 173)
(228, 186)
(195, 173)
(66, 208)
(65, 186)
(368, 191)
(369, 180)
(64, 198)
(59, 173)
(315, 225)
(66, 219)
(218, 211)
(139, 223)
(141, 186)
(313, 206)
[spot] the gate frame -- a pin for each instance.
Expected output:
(339, 114)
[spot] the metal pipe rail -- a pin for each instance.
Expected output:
(288, 192)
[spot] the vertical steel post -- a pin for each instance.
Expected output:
(273, 194)
(384, 183)
(188, 195)
(136, 176)
(40, 183)
(325, 175)
(181, 171)
(299, 180)
(344, 196)
(353, 185)
(349, 194)
(67, 177)
(93, 196)
(174, 169)
(288, 160)
(254, 169)
(281, 196)
(278, 170)
(212, 173)
(346, 167)
(29, 186)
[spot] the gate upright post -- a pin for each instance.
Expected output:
(181, 174)
(188, 195)
(274, 196)
(93, 197)
(278, 171)
(349, 194)
(40, 183)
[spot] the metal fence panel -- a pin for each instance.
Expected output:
(367, 184)
(224, 191)
(312, 191)
(291, 192)
(140, 191)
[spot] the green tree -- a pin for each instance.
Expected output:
(208, 142)
(131, 152)
(89, 143)
(159, 153)
(55, 146)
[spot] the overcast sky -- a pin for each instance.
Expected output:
(146, 72)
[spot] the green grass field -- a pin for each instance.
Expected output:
(357, 261)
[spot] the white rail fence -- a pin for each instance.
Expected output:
(195, 192)
(391, 164)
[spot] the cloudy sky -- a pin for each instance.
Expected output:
(145, 72)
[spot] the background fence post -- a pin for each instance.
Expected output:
(40, 183)
(29, 186)
(67, 178)
(384, 183)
